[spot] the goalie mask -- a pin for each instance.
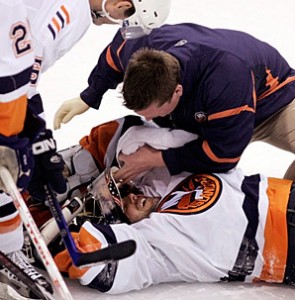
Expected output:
(149, 14)
(103, 201)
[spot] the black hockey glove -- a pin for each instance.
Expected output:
(49, 167)
(16, 156)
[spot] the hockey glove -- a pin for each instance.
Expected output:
(49, 167)
(16, 156)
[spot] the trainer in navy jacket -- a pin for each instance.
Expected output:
(231, 81)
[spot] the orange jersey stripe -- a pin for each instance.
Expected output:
(274, 86)
(110, 60)
(98, 140)
(213, 157)
(230, 112)
(54, 21)
(12, 116)
(68, 20)
(10, 225)
(276, 235)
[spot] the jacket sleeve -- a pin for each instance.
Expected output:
(107, 73)
(229, 101)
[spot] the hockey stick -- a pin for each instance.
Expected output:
(35, 235)
(113, 252)
(21, 275)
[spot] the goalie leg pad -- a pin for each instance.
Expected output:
(80, 168)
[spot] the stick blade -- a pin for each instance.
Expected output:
(113, 252)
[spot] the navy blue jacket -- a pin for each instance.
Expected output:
(232, 82)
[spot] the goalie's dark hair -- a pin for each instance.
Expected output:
(151, 76)
(127, 189)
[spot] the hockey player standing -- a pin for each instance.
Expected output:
(58, 25)
(16, 61)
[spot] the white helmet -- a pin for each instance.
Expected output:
(149, 14)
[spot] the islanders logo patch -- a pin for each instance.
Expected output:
(194, 195)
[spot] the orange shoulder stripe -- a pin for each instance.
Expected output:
(230, 112)
(110, 60)
(213, 157)
(12, 116)
(276, 236)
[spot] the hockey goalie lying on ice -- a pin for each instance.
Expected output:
(200, 227)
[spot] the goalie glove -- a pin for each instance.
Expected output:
(49, 167)
(16, 156)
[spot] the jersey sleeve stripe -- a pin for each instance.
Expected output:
(110, 60)
(52, 31)
(12, 116)
(214, 158)
(68, 19)
(62, 20)
(55, 23)
(230, 112)
(274, 87)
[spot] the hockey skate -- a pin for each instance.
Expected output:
(13, 288)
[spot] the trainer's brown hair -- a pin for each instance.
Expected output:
(151, 76)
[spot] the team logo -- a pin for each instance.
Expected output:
(200, 117)
(194, 195)
(180, 43)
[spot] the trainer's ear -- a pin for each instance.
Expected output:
(178, 90)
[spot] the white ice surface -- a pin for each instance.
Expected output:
(272, 21)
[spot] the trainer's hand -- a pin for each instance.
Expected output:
(68, 110)
(144, 159)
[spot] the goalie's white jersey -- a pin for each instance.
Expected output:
(209, 228)
(56, 25)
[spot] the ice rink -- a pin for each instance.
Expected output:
(271, 21)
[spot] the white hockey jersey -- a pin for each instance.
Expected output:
(16, 60)
(209, 228)
(56, 27)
